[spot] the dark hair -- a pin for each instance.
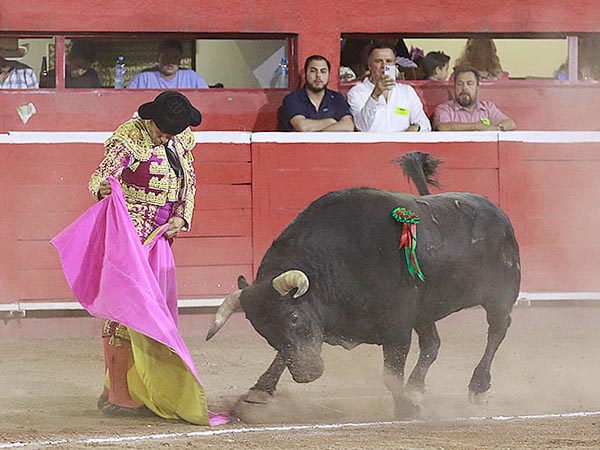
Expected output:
(459, 70)
(353, 55)
(84, 52)
(315, 58)
(170, 43)
(380, 46)
(433, 60)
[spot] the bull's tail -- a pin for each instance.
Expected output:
(421, 168)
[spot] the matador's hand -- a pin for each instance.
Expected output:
(104, 188)
(175, 226)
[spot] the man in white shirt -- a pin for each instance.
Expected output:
(380, 104)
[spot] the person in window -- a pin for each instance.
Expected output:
(435, 66)
(466, 112)
(380, 104)
(354, 59)
(315, 107)
(79, 73)
(480, 54)
(588, 59)
(168, 74)
(13, 74)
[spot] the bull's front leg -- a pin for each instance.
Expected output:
(394, 358)
(264, 389)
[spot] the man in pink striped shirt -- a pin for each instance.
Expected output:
(465, 112)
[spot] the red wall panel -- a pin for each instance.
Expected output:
(47, 189)
(553, 204)
(288, 176)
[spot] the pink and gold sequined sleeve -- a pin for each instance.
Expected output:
(185, 207)
(116, 158)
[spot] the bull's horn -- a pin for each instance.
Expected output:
(289, 280)
(227, 308)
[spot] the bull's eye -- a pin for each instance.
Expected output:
(294, 318)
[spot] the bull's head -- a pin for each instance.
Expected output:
(288, 321)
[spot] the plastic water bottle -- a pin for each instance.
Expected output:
(120, 73)
(281, 80)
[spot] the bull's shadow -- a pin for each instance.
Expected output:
(348, 271)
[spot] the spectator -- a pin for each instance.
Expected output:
(314, 107)
(480, 54)
(354, 57)
(168, 74)
(13, 74)
(466, 113)
(79, 73)
(435, 66)
(381, 104)
(588, 59)
(404, 58)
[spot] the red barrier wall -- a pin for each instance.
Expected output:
(550, 191)
(546, 183)
(249, 191)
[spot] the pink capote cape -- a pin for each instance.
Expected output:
(115, 277)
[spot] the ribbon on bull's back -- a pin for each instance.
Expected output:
(408, 239)
(115, 277)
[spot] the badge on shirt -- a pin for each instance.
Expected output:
(485, 121)
(401, 111)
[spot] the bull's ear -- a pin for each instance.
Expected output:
(242, 283)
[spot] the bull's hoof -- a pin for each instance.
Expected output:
(477, 398)
(406, 410)
(417, 397)
(480, 382)
(415, 391)
(257, 396)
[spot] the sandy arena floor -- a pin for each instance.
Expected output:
(545, 392)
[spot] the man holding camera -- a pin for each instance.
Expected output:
(380, 104)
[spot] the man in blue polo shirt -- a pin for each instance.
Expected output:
(314, 107)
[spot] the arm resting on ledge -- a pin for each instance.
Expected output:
(505, 125)
(301, 123)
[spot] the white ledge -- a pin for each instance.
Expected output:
(244, 137)
(568, 137)
(98, 137)
(21, 308)
(357, 137)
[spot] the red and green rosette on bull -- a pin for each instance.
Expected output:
(408, 240)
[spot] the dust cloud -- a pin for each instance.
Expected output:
(547, 364)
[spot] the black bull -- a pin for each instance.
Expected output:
(336, 275)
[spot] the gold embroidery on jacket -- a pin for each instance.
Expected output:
(132, 140)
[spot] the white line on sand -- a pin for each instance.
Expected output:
(225, 431)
